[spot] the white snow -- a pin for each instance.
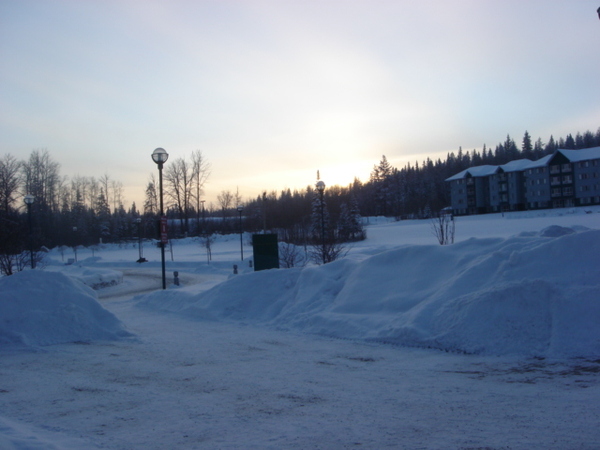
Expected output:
(489, 296)
(492, 342)
(43, 308)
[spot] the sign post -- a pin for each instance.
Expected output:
(164, 238)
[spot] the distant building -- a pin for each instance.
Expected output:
(565, 178)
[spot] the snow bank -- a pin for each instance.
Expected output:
(44, 308)
(535, 294)
(95, 278)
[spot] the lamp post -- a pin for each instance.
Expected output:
(138, 221)
(75, 243)
(29, 199)
(264, 205)
(160, 156)
(202, 201)
(321, 189)
(240, 209)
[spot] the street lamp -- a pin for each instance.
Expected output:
(29, 199)
(75, 243)
(203, 224)
(321, 189)
(160, 156)
(138, 221)
(240, 209)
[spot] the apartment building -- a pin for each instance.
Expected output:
(564, 179)
(470, 189)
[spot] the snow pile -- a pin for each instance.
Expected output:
(95, 278)
(534, 294)
(44, 308)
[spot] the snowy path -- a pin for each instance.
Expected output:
(138, 281)
(226, 385)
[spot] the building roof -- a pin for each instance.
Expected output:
(477, 171)
(584, 154)
(517, 165)
(542, 162)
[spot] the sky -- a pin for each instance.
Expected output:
(272, 91)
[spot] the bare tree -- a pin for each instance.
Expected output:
(225, 199)
(291, 255)
(327, 252)
(200, 174)
(93, 192)
(237, 199)
(443, 228)
(11, 263)
(41, 178)
(105, 184)
(117, 194)
(80, 190)
(207, 241)
(179, 178)
(10, 181)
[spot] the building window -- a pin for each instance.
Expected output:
(568, 191)
(567, 179)
(566, 167)
(554, 169)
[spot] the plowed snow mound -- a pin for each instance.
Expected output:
(43, 308)
(536, 295)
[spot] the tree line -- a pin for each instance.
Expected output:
(86, 210)
(413, 191)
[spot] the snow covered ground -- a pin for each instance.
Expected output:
(493, 342)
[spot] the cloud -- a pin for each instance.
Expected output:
(271, 91)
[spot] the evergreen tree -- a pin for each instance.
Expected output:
(344, 223)
(510, 150)
(151, 201)
(527, 148)
(588, 140)
(551, 146)
(103, 216)
(380, 179)
(538, 149)
(569, 143)
(320, 222)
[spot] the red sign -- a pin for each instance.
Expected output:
(163, 230)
